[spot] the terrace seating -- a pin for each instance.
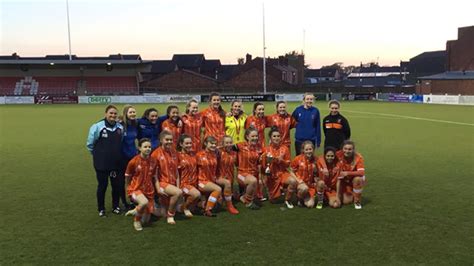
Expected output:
(111, 85)
(29, 85)
(7, 85)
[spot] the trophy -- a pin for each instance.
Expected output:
(269, 161)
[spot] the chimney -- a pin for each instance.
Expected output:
(248, 58)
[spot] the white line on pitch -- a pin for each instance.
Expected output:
(412, 117)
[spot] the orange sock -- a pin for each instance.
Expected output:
(357, 192)
(188, 203)
(211, 201)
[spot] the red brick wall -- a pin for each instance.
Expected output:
(181, 80)
(464, 87)
(460, 52)
(252, 80)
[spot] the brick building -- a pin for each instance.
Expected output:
(459, 77)
(182, 81)
(194, 73)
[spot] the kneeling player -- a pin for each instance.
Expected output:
(167, 187)
(304, 167)
(352, 175)
(328, 173)
(140, 174)
(188, 174)
(248, 158)
(275, 162)
(208, 181)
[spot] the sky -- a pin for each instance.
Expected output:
(343, 31)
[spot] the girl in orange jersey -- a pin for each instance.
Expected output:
(258, 121)
(166, 185)
(193, 123)
(352, 174)
(275, 162)
(227, 160)
(328, 182)
(172, 124)
(209, 182)
(248, 161)
(304, 167)
(214, 118)
(188, 173)
(283, 121)
(140, 175)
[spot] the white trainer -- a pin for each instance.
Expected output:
(357, 205)
(289, 205)
(137, 225)
(188, 213)
(170, 220)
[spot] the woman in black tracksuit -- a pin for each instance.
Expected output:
(336, 127)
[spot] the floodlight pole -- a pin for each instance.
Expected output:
(264, 56)
(68, 29)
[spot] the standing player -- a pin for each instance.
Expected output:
(214, 118)
(172, 124)
(304, 167)
(129, 146)
(258, 121)
(148, 127)
(141, 174)
(167, 186)
(329, 161)
(336, 127)
(104, 142)
(235, 123)
(352, 175)
(283, 121)
(275, 163)
(248, 161)
(188, 174)
(193, 123)
(207, 162)
(309, 125)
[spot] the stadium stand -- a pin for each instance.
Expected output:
(106, 85)
(57, 75)
(29, 85)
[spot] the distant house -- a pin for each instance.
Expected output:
(459, 75)
(284, 72)
(181, 81)
(248, 77)
(195, 71)
(158, 69)
(322, 75)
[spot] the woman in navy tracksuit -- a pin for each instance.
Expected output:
(105, 144)
(149, 126)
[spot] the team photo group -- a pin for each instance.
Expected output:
(196, 161)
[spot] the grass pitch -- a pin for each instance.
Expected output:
(418, 204)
